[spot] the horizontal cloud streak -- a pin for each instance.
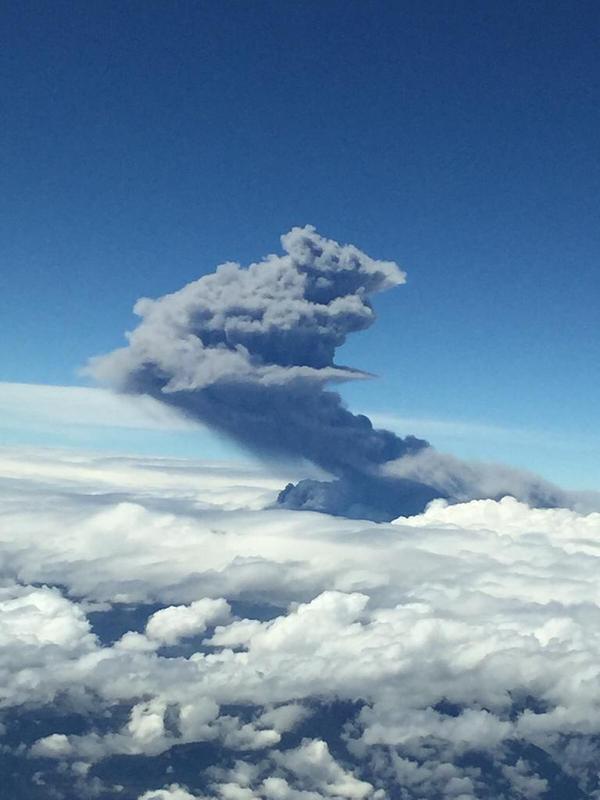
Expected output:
(33, 410)
(38, 404)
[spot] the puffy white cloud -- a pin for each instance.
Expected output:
(523, 782)
(42, 636)
(172, 792)
(170, 624)
(313, 766)
(506, 516)
(41, 617)
(306, 772)
(57, 745)
(284, 718)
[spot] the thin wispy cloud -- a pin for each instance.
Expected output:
(30, 406)
(25, 404)
(466, 430)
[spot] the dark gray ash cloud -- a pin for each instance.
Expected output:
(250, 351)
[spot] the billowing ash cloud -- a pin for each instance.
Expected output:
(250, 351)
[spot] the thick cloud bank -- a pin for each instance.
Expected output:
(249, 352)
(163, 637)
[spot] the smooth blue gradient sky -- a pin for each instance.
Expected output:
(144, 142)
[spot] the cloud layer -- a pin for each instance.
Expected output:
(153, 609)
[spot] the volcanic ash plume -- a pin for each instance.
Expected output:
(250, 352)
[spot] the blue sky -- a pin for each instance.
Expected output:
(143, 143)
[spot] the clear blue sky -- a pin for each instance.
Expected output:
(144, 142)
